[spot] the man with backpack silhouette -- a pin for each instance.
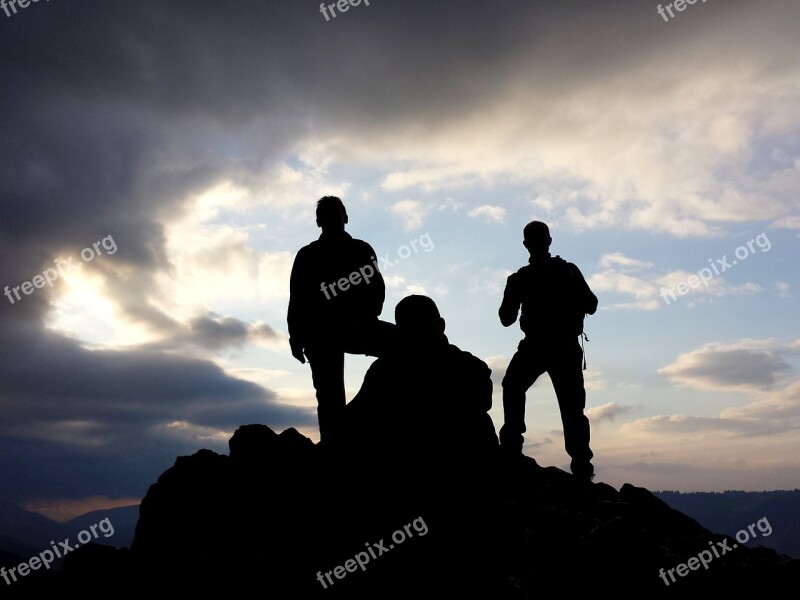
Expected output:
(554, 298)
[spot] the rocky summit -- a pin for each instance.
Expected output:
(282, 517)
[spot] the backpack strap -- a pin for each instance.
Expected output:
(583, 336)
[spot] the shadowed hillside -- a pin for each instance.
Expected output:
(732, 511)
(283, 516)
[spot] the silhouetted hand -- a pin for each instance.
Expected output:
(297, 351)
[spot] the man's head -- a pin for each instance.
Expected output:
(537, 238)
(418, 320)
(331, 214)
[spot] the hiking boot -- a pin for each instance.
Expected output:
(510, 442)
(584, 471)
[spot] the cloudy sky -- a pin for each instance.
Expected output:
(161, 161)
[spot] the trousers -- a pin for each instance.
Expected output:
(326, 357)
(562, 360)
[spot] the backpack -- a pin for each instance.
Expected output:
(556, 299)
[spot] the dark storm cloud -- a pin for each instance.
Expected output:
(56, 379)
(212, 331)
(37, 468)
(78, 422)
(215, 333)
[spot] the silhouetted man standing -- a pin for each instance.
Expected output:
(554, 298)
(336, 296)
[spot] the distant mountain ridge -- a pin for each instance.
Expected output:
(24, 533)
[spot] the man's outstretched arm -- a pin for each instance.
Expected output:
(512, 299)
(297, 312)
(376, 286)
(481, 386)
(589, 298)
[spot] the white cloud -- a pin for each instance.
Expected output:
(622, 283)
(772, 412)
(662, 153)
(492, 213)
(606, 412)
(498, 363)
(789, 222)
(619, 260)
(782, 287)
(781, 405)
(640, 305)
(747, 366)
(593, 380)
(393, 281)
(674, 425)
(410, 212)
(671, 287)
(681, 284)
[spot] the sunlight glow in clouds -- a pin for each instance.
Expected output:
(83, 309)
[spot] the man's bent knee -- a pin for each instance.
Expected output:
(512, 384)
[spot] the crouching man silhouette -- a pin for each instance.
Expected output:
(420, 433)
(424, 392)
